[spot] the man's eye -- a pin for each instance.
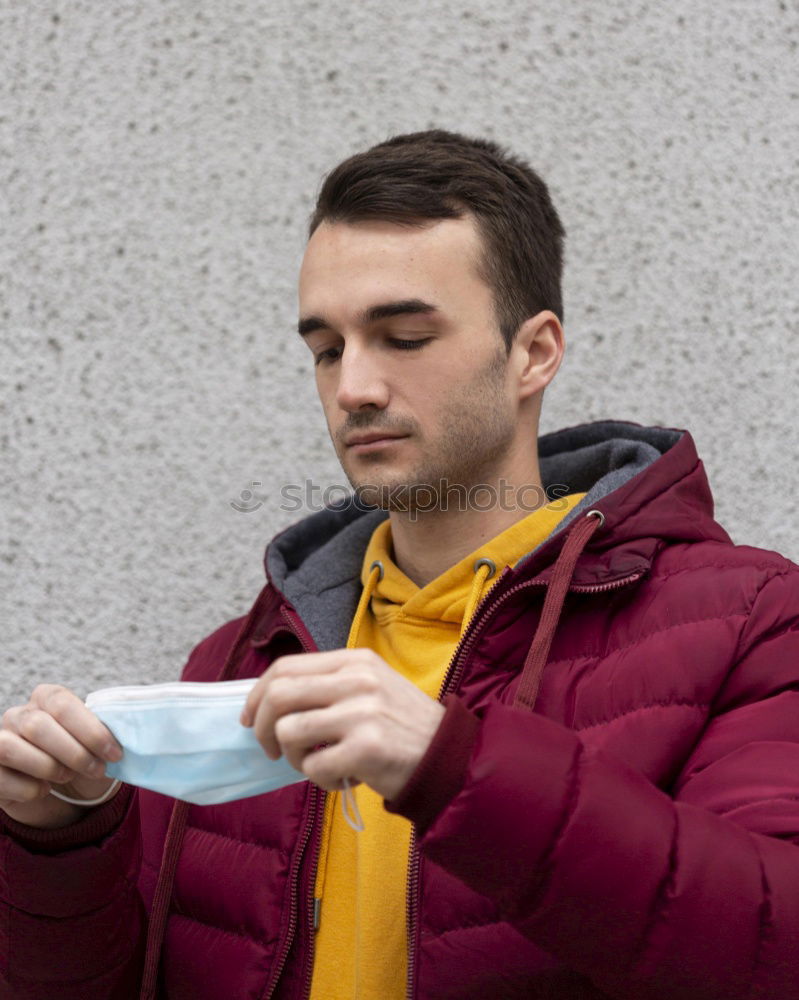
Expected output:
(329, 355)
(409, 345)
(334, 353)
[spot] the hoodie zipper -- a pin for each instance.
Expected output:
(449, 685)
(297, 629)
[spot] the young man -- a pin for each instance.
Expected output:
(570, 724)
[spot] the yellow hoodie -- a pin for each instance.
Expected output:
(360, 892)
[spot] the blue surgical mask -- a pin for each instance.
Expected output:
(185, 740)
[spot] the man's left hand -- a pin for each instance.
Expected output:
(377, 725)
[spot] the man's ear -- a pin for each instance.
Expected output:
(537, 352)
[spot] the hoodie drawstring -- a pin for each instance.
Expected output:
(349, 804)
(484, 569)
(562, 573)
(375, 576)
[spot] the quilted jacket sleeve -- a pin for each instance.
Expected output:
(687, 896)
(71, 917)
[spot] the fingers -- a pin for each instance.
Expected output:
(73, 716)
(37, 744)
(19, 755)
(302, 676)
(296, 695)
(51, 740)
(298, 733)
(18, 787)
(325, 767)
(351, 701)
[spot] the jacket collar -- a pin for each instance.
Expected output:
(647, 481)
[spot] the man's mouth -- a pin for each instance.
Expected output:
(373, 439)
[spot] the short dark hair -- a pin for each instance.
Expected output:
(440, 175)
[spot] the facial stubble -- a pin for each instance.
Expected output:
(477, 431)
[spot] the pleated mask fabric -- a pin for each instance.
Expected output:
(185, 740)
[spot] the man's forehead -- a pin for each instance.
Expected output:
(374, 250)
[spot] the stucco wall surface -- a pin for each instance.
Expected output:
(158, 162)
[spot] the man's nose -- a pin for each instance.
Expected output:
(362, 381)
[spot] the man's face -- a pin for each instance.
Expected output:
(406, 350)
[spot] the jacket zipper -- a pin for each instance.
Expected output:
(449, 685)
(412, 910)
(300, 632)
(321, 799)
(454, 670)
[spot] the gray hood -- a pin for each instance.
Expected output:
(316, 563)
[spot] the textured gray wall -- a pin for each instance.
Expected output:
(158, 163)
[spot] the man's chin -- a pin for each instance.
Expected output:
(385, 496)
(399, 497)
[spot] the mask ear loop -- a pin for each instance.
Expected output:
(90, 802)
(349, 806)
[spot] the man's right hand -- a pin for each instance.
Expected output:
(52, 741)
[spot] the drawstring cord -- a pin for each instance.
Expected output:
(159, 911)
(349, 804)
(484, 569)
(562, 573)
(376, 573)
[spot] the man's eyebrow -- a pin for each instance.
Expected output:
(385, 310)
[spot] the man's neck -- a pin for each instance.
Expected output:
(427, 543)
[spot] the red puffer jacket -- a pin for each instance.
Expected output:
(609, 809)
